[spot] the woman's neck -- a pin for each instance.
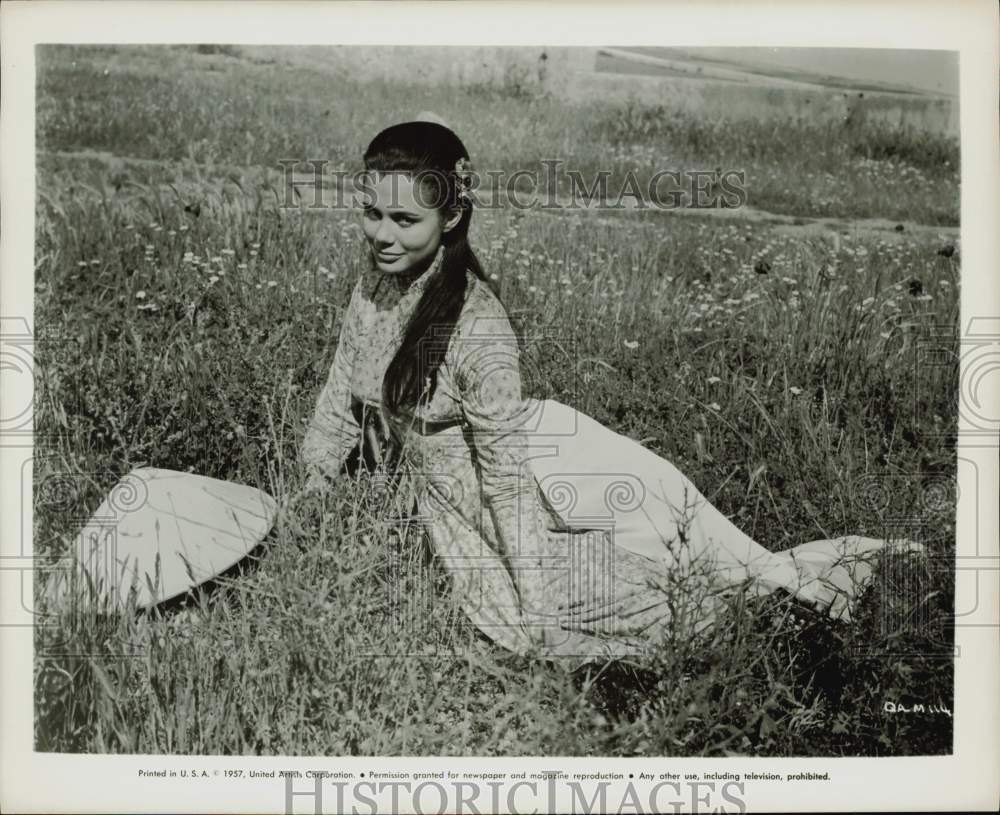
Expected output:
(402, 282)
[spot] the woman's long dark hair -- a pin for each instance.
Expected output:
(430, 152)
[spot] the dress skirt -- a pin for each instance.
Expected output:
(639, 555)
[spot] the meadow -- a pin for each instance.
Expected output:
(186, 319)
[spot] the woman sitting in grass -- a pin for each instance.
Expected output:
(562, 537)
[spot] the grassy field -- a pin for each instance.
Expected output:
(190, 327)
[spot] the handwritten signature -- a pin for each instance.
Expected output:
(896, 707)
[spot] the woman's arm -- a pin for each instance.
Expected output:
(333, 431)
(489, 380)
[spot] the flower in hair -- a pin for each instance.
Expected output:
(463, 178)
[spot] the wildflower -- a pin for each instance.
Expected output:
(212, 279)
(631, 344)
(715, 406)
(140, 295)
(712, 380)
(795, 391)
(216, 259)
(229, 252)
(884, 335)
(532, 289)
(271, 284)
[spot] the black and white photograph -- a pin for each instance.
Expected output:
(564, 401)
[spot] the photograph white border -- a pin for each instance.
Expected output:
(968, 779)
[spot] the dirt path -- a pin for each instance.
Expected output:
(797, 225)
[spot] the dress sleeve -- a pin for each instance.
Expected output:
(500, 420)
(333, 430)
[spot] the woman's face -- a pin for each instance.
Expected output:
(403, 231)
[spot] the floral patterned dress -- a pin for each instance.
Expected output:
(562, 538)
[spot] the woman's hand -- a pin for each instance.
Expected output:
(316, 485)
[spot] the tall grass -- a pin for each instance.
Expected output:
(777, 372)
